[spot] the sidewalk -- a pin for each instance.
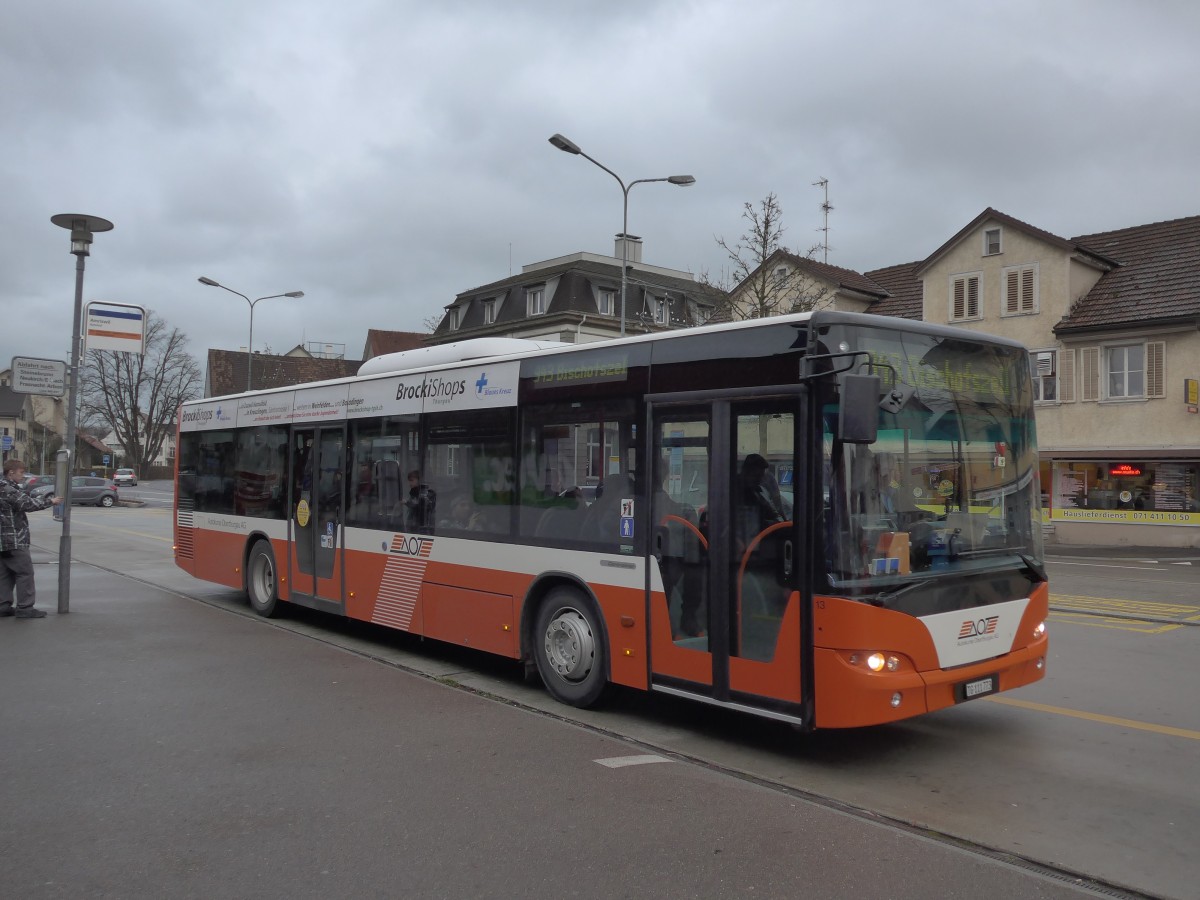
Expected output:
(1121, 552)
(157, 746)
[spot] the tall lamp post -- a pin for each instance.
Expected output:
(568, 146)
(250, 345)
(82, 228)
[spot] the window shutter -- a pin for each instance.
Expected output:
(959, 309)
(1089, 389)
(1011, 292)
(1027, 290)
(1066, 376)
(972, 297)
(1156, 365)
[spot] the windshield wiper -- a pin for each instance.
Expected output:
(886, 600)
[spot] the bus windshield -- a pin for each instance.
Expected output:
(950, 485)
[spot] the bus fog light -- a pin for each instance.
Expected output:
(1039, 630)
(893, 663)
(876, 662)
(1041, 663)
(896, 698)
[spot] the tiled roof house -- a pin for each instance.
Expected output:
(226, 372)
(1112, 321)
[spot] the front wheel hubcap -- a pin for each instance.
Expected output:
(570, 645)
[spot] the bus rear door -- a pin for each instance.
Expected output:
(725, 613)
(318, 495)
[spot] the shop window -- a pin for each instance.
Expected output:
(1134, 486)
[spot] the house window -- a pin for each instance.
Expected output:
(489, 312)
(660, 311)
(1045, 375)
(453, 318)
(781, 275)
(535, 301)
(607, 302)
(964, 297)
(1020, 286)
(991, 242)
(1126, 371)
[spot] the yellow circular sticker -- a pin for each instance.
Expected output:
(302, 513)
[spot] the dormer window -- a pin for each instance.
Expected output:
(489, 312)
(453, 318)
(535, 301)
(661, 311)
(606, 302)
(991, 242)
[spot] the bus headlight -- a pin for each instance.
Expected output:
(877, 662)
(1039, 630)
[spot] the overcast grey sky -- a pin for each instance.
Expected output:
(384, 155)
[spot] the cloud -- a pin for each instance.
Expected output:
(384, 156)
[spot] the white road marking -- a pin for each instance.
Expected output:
(617, 762)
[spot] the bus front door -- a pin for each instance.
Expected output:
(317, 467)
(725, 617)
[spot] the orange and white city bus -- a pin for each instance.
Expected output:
(828, 519)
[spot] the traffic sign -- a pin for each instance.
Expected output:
(115, 326)
(6, 442)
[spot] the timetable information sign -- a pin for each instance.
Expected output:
(47, 377)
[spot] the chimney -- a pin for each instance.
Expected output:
(634, 245)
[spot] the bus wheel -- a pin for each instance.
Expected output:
(260, 580)
(569, 648)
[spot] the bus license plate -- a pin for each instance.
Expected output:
(980, 687)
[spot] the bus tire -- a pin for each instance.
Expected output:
(569, 646)
(260, 580)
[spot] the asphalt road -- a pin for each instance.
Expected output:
(1090, 772)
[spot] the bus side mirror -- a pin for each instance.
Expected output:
(858, 419)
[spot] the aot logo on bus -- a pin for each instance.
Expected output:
(411, 545)
(978, 628)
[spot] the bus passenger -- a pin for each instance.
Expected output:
(758, 505)
(420, 505)
(462, 517)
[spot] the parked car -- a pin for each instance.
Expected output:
(86, 490)
(125, 476)
(35, 481)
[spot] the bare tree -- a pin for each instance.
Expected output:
(756, 287)
(137, 397)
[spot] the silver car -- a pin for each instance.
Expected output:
(86, 490)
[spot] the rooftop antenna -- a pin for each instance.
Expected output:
(826, 207)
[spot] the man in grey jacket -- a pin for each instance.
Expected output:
(16, 566)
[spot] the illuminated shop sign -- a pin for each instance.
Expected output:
(1124, 470)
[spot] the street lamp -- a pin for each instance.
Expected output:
(82, 228)
(250, 345)
(568, 146)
